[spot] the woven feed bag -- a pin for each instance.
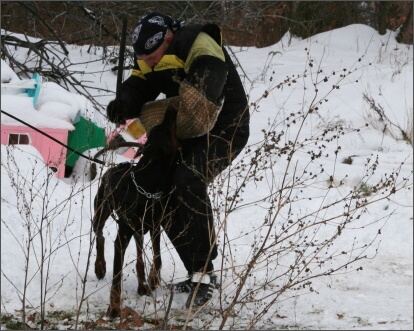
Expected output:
(196, 116)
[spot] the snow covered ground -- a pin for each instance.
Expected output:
(45, 228)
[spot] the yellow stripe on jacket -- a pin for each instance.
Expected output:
(203, 45)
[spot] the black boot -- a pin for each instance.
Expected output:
(203, 286)
(182, 287)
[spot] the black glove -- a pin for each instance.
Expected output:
(116, 111)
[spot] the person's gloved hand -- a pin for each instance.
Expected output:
(116, 111)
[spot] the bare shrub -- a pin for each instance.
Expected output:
(305, 223)
(303, 226)
(379, 120)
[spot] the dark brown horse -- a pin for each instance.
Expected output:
(136, 195)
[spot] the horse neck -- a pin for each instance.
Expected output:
(159, 170)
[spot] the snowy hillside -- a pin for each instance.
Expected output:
(316, 140)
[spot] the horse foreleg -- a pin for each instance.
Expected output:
(154, 278)
(102, 213)
(121, 243)
(98, 223)
(143, 288)
(100, 263)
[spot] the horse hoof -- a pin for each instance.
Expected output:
(154, 281)
(144, 291)
(112, 313)
(100, 271)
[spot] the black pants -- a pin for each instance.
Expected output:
(191, 227)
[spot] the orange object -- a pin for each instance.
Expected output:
(134, 129)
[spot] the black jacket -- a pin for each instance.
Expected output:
(178, 63)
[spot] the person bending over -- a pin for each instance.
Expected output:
(190, 66)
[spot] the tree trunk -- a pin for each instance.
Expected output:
(405, 26)
(383, 9)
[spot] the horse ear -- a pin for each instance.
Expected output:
(170, 114)
(170, 117)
